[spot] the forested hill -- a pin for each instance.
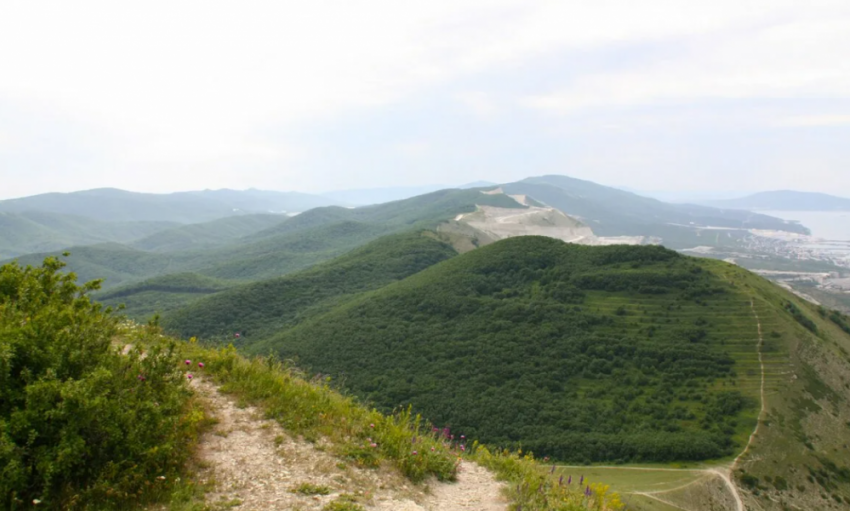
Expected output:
(259, 310)
(581, 353)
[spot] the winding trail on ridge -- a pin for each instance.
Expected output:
(254, 462)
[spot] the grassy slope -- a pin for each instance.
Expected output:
(437, 340)
(258, 310)
(207, 234)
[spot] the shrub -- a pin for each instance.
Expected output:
(82, 425)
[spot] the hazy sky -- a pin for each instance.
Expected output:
(322, 95)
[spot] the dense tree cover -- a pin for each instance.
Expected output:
(583, 353)
(80, 423)
(260, 309)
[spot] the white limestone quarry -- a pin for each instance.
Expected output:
(499, 223)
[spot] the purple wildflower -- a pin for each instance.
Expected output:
(570, 480)
(587, 491)
(561, 481)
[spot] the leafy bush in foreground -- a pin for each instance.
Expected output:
(81, 424)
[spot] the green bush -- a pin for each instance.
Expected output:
(81, 424)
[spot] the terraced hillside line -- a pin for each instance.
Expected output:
(256, 465)
(763, 408)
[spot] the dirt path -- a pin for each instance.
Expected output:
(256, 465)
(761, 390)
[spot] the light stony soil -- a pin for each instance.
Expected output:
(254, 464)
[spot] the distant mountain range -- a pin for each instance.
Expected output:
(785, 200)
(614, 212)
(113, 205)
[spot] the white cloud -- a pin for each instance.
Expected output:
(804, 59)
(808, 121)
(192, 84)
(414, 149)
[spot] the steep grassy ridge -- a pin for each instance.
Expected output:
(588, 354)
(261, 309)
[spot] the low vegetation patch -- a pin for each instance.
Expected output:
(83, 426)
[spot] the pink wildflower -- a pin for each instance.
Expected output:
(371, 425)
(201, 365)
(189, 376)
(188, 362)
(373, 444)
(415, 453)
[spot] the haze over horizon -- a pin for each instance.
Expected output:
(160, 97)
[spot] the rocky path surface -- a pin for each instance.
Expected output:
(255, 465)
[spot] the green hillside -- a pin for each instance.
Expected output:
(207, 234)
(270, 257)
(291, 245)
(167, 292)
(543, 335)
(605, 354)
(38, 231)
(423, 211)
(261, 309)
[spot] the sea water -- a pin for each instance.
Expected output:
(827, 225)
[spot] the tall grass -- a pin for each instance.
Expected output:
(312, 409)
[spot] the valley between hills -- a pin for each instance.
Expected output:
(551, 315)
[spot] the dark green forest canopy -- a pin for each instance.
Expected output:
(259, 310)
(581, 353)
